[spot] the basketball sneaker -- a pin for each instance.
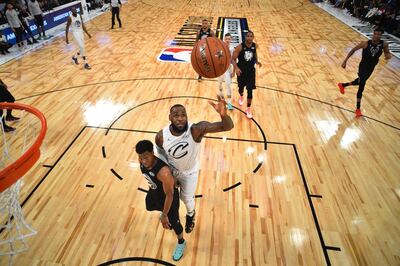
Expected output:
(11, 118)
(248, 113)
(358, 113)
(75, 59)
(8, 129)
(190, 223)
(241, 100)
(178, 252)
(341, 88)
(87, 66)
(230, 107)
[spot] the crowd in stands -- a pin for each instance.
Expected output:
(382, 13)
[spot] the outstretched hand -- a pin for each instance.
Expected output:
(220, 106)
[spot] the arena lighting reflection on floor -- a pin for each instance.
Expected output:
(102, 113)
(351, 135)
(327, 128)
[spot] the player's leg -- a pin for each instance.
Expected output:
(228, 82)
(81, 44)
(173, 217)
(119, 20)
(363, 77)
(220, 79)
(250, 86)
(241, 84)
(113, 13)
(188, 185)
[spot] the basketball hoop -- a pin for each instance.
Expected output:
(10, 174)
(13, 227)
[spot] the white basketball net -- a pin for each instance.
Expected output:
(13, 227)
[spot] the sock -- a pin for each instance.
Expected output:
(181, 241)
(229, 99)
(358, 105)
(345, 84)
(190, 213)
(84, 59)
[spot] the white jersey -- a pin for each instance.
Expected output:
(182, 151)
(76, 24)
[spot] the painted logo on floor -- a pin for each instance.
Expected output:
(237, 27)
(175, 54)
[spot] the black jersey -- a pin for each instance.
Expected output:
(204, 34)
(371, 54)
(247, 57)
(151, 176)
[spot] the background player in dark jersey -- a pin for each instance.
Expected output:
(204, 32)
(372, 50)
(162, 195)
(246, 53)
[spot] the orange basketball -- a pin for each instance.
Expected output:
(210, 57)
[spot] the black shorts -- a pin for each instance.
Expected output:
(247, 79)
(364, 72)
(39, 20)
(155, 202)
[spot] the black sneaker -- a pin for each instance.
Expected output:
(75, 59)
(11, 118)
(87, 66)
(8, 129)
(190, 223)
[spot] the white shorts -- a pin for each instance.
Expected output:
(188, 184)
(226, 76)
(79, 41)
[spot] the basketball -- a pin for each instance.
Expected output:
(210, 57)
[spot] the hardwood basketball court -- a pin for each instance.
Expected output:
(304, 183)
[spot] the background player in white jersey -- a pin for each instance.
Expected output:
(228, 75)
(179, 144)
(77, 28)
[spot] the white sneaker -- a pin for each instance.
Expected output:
(248, 113)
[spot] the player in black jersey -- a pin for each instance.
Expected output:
(246, 53)
(204, 32)
(162, 195)
(372, 50)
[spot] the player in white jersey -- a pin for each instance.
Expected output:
(179, 144)
(77, 29)
(228, 75)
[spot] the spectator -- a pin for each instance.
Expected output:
(36, 12)
(15, 24)
(4, 46)
(6, 96)
(23, 17)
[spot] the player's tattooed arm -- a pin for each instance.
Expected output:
(204, 127)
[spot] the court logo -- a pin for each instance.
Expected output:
(179, 150)
(175, 54)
